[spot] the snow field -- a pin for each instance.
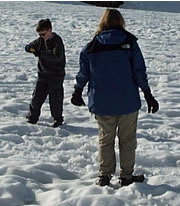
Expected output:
(40, 165)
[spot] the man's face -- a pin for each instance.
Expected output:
(45, 34)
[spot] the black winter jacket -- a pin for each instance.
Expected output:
(51, 53)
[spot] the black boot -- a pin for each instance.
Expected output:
(31, 120)
(58, 122)
(126, 182)
(103, 181)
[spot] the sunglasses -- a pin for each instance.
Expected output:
(42, 34)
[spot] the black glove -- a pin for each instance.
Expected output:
(37, 53)
(153, 105)
(77, 97)
(30, 49)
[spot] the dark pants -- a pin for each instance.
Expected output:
(42, 89)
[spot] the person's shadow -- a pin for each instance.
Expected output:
(90, 131)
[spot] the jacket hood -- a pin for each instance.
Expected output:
(110, 37)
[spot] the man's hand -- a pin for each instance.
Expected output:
(77, 99)
(153, 105)
(30, 49)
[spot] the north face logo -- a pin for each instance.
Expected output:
(126, 46)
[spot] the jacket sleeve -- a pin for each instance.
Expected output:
(83, 75)
(33, 45)
(57, 55)
(139, 67)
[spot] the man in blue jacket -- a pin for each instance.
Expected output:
(113, 66)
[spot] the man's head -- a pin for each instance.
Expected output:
(44, 28)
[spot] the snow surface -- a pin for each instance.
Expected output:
(43, 166)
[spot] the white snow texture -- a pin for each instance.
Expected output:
(40, 165)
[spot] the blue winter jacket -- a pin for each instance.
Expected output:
(113, 66)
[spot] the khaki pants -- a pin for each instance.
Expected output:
(124, 127)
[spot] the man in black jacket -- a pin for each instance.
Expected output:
(49, 49)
